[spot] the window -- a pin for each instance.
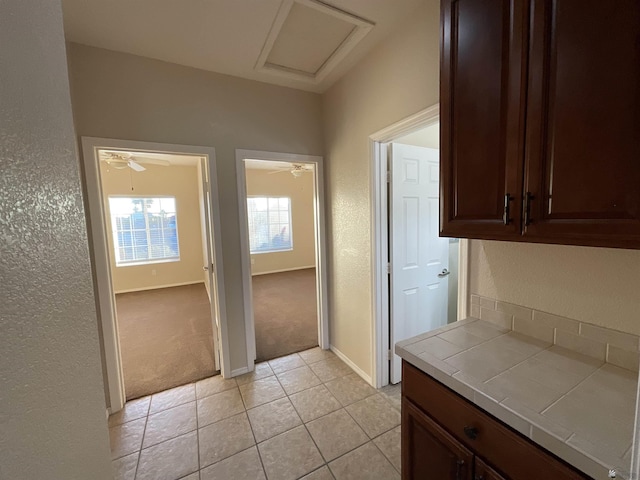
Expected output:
(144, 229)
(269, 224)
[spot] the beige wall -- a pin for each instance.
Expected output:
(300, 190)
(52, 408)
(116, 95)
(397, 79)
(180, 182)
(594, 285)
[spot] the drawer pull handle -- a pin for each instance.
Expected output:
(471, 432)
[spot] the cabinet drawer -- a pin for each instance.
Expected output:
(514, 455)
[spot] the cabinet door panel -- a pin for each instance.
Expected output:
(483, 65)
(482, 471)
(428, 452)
(583, 125)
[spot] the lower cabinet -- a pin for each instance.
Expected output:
(445, 437)
(430, 452)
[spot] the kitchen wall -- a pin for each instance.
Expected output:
(395, 80)
(180, 182)
(117, 95)
(593, 285)
(261, 183)
(52, 409)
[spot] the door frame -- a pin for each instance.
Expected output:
(320, 244)
(99, 251)
(380, 240)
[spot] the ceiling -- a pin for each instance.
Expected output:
(242, 37)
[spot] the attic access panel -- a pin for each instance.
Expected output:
(308, 39)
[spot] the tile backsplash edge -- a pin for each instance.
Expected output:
(612, 346)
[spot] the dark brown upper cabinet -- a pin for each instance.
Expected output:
(540, 121)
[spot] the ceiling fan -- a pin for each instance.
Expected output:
(121, 160)
(295, 169)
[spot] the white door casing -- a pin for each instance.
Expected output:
(419, 257)
(320, 244)
(211, 268)
(100, 253)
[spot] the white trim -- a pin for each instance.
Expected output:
(361, 28)
(354, 367)
(157, 287)
(283, 270)
(239, 371)
(463, 279)
(379, 239)
(320, 244)
(423, 118)
(100, 254)
(209, 185)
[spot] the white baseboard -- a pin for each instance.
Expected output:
(156, 287)
(239, 371)
(283, 270)
(354, 367)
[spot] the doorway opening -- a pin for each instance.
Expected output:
(281, 225)
(153, 215)
(419, 278)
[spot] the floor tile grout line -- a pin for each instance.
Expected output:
(198, 432)
(144, 432)
(304, 425)
(323, 383)
(384, 456)
(255, 441)
(230, 456)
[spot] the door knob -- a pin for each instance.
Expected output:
(444, 273)
(205, 267)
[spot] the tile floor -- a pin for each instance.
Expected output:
(305, 415)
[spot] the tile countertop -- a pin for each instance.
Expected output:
(579, 408)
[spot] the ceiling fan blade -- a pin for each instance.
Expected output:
(152, 161)
(136, 166)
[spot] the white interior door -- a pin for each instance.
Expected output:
(419, 257)
(210, 261)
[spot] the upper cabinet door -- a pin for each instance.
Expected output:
(582, 158)
(482, 106)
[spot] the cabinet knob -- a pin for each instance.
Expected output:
(471, 432)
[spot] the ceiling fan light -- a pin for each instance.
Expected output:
(118, 166)
(296, 173)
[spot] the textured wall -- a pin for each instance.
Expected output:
(116, 95)
(300, 190)
(52, 409)
(180, 182)
(397, 79)
(594, 285)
